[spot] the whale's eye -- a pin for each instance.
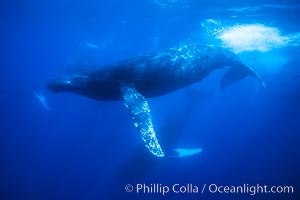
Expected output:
(68, 82)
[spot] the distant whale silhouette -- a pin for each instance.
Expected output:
(151, 75)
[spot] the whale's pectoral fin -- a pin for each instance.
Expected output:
(139, 109)
(185, 152)
(237, 72)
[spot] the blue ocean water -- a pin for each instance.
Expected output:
(66, 146)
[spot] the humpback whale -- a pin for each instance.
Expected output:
(151, 75)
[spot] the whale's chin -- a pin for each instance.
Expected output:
(62, 85)
(53, 86)
(72, 83)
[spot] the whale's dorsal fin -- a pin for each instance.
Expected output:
(139, 109)
(237, 72)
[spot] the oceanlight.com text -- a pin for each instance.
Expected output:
(190, 188)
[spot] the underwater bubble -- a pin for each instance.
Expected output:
(252, 37)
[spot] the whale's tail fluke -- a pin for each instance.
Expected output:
(237, 72)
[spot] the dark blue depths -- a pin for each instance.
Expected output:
(84, 149)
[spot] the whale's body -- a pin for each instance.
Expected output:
(153, 75)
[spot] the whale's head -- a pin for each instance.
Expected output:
(84, 83)
(77, 83)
